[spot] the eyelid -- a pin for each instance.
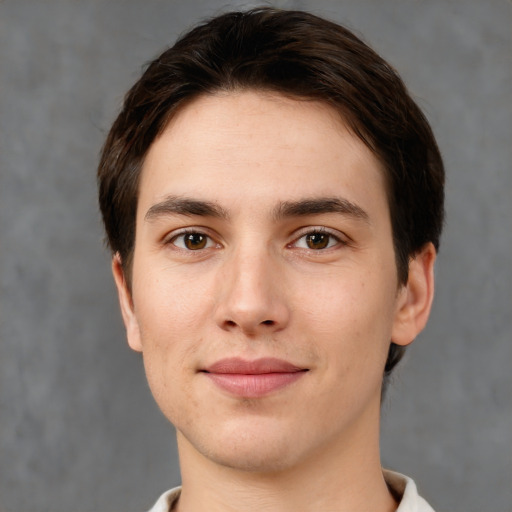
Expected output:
(200, 230)
(340, 237)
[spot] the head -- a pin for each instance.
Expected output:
(298, 56)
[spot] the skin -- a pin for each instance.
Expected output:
(266, 276)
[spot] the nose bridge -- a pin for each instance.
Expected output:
(251, 293)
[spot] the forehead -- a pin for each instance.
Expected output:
(237, 145)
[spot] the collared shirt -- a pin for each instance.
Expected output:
(403, 488)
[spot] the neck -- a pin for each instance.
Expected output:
(343, 477)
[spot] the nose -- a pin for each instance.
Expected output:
(251, 295)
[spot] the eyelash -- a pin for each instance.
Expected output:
(319, 231)
(184, 233)
(209, 241)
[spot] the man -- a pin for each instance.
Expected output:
(273, 199)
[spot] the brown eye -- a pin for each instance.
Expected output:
(317, 240)
(192, 241)
(195, 241)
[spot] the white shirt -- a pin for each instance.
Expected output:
(402, 485)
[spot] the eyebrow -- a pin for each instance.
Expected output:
(173, 205)
(318, 206)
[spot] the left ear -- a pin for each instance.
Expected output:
(415, 297)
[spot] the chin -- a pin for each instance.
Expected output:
(255, 460)
(252, 449)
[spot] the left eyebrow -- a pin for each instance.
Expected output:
(173, 205)
(318, 206)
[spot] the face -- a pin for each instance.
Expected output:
(264, 288)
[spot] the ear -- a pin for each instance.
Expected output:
(415, 297)
(125, 301)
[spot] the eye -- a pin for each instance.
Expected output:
(317, 240)
(192, 241)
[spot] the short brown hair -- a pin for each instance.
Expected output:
(303, 56)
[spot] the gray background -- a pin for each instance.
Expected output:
(78, 428)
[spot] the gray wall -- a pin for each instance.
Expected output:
(78, 428)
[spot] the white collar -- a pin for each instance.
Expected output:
(401, 485)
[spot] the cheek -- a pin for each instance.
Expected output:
(169, 350)
(170, 316)
(169, 303)
(351, 318)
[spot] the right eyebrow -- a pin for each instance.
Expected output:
(175, 205)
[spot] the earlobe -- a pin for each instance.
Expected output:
(125, 301)
(415, 297)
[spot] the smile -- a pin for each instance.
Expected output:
(253, 379)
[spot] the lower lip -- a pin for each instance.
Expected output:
(253, 385)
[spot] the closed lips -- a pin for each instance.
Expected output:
(256, 367)
(253, 379)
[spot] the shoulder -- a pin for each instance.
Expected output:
(166, 502)
(406, 492)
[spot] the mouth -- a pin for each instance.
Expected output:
(253, 379)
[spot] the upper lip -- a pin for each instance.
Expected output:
(236, 365)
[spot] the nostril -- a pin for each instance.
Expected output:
(230, 323)
(268, 322)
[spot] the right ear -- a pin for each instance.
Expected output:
(125, 301)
